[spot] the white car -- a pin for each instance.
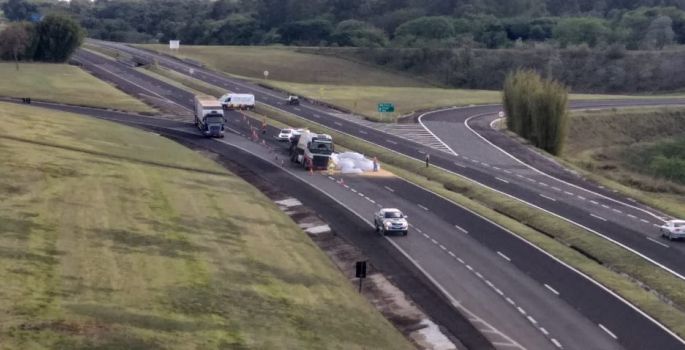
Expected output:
(389, 220)
(673, 229)
(285, 135)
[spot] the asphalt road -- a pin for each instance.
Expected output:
(583, 304)
(620, 222)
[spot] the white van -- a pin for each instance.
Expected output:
(237, 101)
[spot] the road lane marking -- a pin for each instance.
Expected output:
(503, 180)
(645, 221)
(370, 200)
(543, 184)
(581, 197)
(598, 217)
(546, 197)
(460, 229)
(434, 241)
(461, 261)
(657, 242)
(297, 109)
(338, 123)
(522, 311)
(551, 289)
(353, 190)
(544, 331)
(427, 236)
(363, 132)
(489, 284)
(556, 343)
(459, 165)
(618, 211)
(451, 254)
(389, 189)
(422, 207)
(507, 171)
(332, 178)
(510, 301)
(521, 176)
(503, 256)
(391, 141)
(485, 164)
(469, 267)
(605, 206)
(361, 194)
(632, 216)
(499, 291)
(443, 247)
(479, 275)
(496, 168)
(532, 320)
(569, 193)
(594, 202)
(556, 188)
(317, 116)
(608, 331)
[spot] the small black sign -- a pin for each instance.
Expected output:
(361, 269)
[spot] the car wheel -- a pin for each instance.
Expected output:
(378, 229)
(404, 233)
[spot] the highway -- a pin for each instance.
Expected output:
(618, 220)
(515, 294)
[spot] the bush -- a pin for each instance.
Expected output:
(537, 109)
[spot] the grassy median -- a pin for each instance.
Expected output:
(114, 238)
(616, 268)
(63, 83)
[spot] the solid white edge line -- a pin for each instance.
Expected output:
(653, 320)
(561, 262)
(442, 289)
(608, 331)
(466, 123)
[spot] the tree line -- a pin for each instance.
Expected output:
(51, 39)
(635, 24)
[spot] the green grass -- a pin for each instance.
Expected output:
(619, 268)
(344, 83)
(64, 84)
(286, 64)
(603, 145)
(114, 238)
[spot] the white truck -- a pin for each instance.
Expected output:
(313, 150)
(237, 101)
(209, 116)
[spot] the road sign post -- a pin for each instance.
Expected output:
(266, 74)
(385, 107)
(360, 273)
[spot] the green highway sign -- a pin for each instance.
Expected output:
(386, 107)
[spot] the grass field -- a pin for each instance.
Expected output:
(606, 144)
(113, 238)
(286, 64)
(339, 82)
(65, 84)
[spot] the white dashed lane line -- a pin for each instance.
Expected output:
(569, 193)
(594, 202)
(363, 132)
(556, 343)
(645, 221)
(598, 217)
(338, 123)
(546, 197)
(503, 180)
(657, 242)
(353, 190)
(389, 189)
(551, 289)
(459, 165)
(503, 256)
(422, 207)
(608, 331)
(391, 141)
(460, 229)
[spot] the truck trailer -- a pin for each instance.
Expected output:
(237, 101)
(209, 116)
(313, 150)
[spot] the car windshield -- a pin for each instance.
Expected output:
(393, 215)
(286, 131)
(321, 147)
(679, 224)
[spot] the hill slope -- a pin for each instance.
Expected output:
(106, 243)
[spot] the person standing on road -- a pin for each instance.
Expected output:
(375, 164)
(428, 158)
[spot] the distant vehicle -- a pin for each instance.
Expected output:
(312, 150)
(293, 100)
(389, 220)
(209, 116)
(237, 101)
(284, 135)
(673, 229)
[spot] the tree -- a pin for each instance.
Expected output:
(14, 41)
(659, 33)
(58, 37)
(580, 30)
(19, 10)
(308, 32)
(358, 33)
(427, 28)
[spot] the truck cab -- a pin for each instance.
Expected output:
(313, 151)
(209, 116)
